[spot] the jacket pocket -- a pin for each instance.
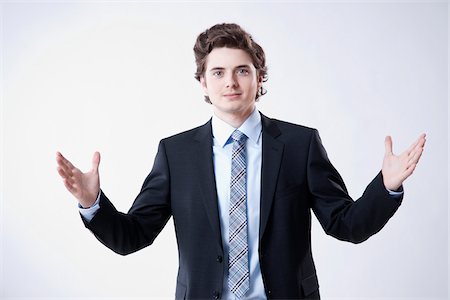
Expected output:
(180, 292)
(310, 284)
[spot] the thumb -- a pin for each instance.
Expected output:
(388, 145)
(95, 161)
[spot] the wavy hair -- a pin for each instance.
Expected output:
(231, 36)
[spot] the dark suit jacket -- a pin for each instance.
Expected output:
(296, 177)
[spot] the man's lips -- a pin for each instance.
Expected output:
(232, 94)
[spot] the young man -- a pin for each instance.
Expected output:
(241, 188)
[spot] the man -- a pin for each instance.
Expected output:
(241, 188)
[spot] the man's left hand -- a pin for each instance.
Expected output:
(396, 168)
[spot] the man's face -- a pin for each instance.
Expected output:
(231, 82)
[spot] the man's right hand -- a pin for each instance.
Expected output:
(84, 186)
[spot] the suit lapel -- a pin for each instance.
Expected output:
(206, 177)
(272, 153)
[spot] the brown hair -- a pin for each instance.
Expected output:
(230, 36)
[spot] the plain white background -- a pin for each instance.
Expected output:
(118, 76)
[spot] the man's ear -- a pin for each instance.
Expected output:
(260, 81)
(203, 84)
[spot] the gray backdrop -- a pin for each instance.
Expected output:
(118, 76)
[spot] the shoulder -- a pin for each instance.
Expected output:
(292, 126)
(189, 135)
(287, 129)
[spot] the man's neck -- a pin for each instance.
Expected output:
(234, 119)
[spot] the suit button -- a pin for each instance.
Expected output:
(216, 295)
(219, 259)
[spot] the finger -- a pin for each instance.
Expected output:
(63, 166)
(388, 145)
(95, 161)
(62, 172)
(61, 163)
(64, 175)
(69, 186)
(418, 149)
(412, 147)
(422, 140)
(415, 157)
(60, 159)
(408, 172)
(419, 142)
(65, 161)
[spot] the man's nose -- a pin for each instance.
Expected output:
(231, 81)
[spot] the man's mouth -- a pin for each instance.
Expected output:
(232, 95)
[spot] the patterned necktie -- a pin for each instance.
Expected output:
(238, 280)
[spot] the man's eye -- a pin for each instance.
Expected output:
(243, 72)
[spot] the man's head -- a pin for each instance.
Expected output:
(234, 37)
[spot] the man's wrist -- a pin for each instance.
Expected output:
(89, 212)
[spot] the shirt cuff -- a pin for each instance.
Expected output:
(89, 213)
(396, 194)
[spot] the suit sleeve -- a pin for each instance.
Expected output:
(127, 233)
(339, 215)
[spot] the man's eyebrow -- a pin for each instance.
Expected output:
(222, 68)
(216, 68)
(242, 66)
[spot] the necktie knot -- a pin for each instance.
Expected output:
(238, 136)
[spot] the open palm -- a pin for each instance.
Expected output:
(396, 168)
(84, 186)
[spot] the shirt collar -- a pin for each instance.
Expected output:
(251, 128)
